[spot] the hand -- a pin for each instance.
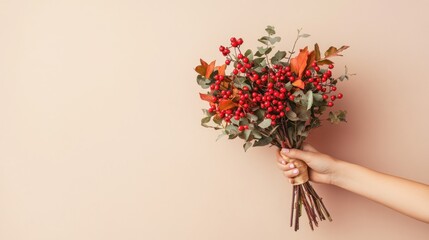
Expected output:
(322, 167)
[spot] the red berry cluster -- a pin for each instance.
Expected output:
(267, 89)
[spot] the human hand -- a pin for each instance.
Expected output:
(322, 167)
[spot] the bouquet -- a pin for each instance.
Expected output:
(274, 99)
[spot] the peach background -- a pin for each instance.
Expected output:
(99, 124)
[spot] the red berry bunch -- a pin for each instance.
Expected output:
(263, 92)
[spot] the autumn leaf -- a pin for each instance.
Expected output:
(221, 69)
(205, 69)
(226, 104)
(206, 97)
(333, 51)
(324, 62)
(299, 84)
(299, 63)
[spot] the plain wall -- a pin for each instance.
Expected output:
(100, 134)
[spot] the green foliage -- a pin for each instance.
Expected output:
(303, 102)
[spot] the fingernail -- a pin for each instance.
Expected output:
(291, 165)
(283, 162)
(295, 171)
(285, 150)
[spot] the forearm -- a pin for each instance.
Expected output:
(405, 196)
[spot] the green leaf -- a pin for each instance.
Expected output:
(274, 40)
(303, 113)
(258, 61)
(205, 120)
(246, 134)
(221, 136)
(291, 115)
(265, 123)
(301, 130)
(231, 130)
(247, 145)
(248, 52)
(252, 117)
(304, 35)
(235, 122)
(270, 30)
(317, 97)
(337, 116)
(256, 134)
(288, 86)
(263, 141)
(243, 121)
(264, 40)
(203, 82)
(309, 99)
(260, 113)
(278, 57)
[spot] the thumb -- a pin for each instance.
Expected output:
(305, 156)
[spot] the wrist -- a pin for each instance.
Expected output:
(339, 173)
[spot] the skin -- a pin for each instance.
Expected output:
(405, 196)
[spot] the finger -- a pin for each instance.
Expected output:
(308, 147)
(282, 158)
(291, 173)
(306, 156)
(286, 166)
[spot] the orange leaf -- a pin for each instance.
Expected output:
(210, 69)
(333, 51)
(206, 97)
(299, 62)
(324, 62)
(201, 69)
(299, 84)
(205, 69)
(226, 104)
(221, 69)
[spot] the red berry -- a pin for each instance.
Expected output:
(227, 61)
(246, 88)
(333, 97)
(333, 88)
(317, 68)
(233, 39)
(287, 109)
(325, 96)
(240, 128)
(314, 64)
(291, 97)
(235, 71)
(340, 95)
(246, 127)
(240, 41)
(240, 56)
(331, 66)
(308, 73)
(221, 48)
(330, 104)
(245, 60)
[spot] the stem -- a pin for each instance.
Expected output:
(293, 48)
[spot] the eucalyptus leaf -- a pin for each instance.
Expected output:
(252, 117)
(309, 99)
(265, 123)
(274, 39)
(270, 30)
(247, 145)
(291, 115)
(263, 141)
